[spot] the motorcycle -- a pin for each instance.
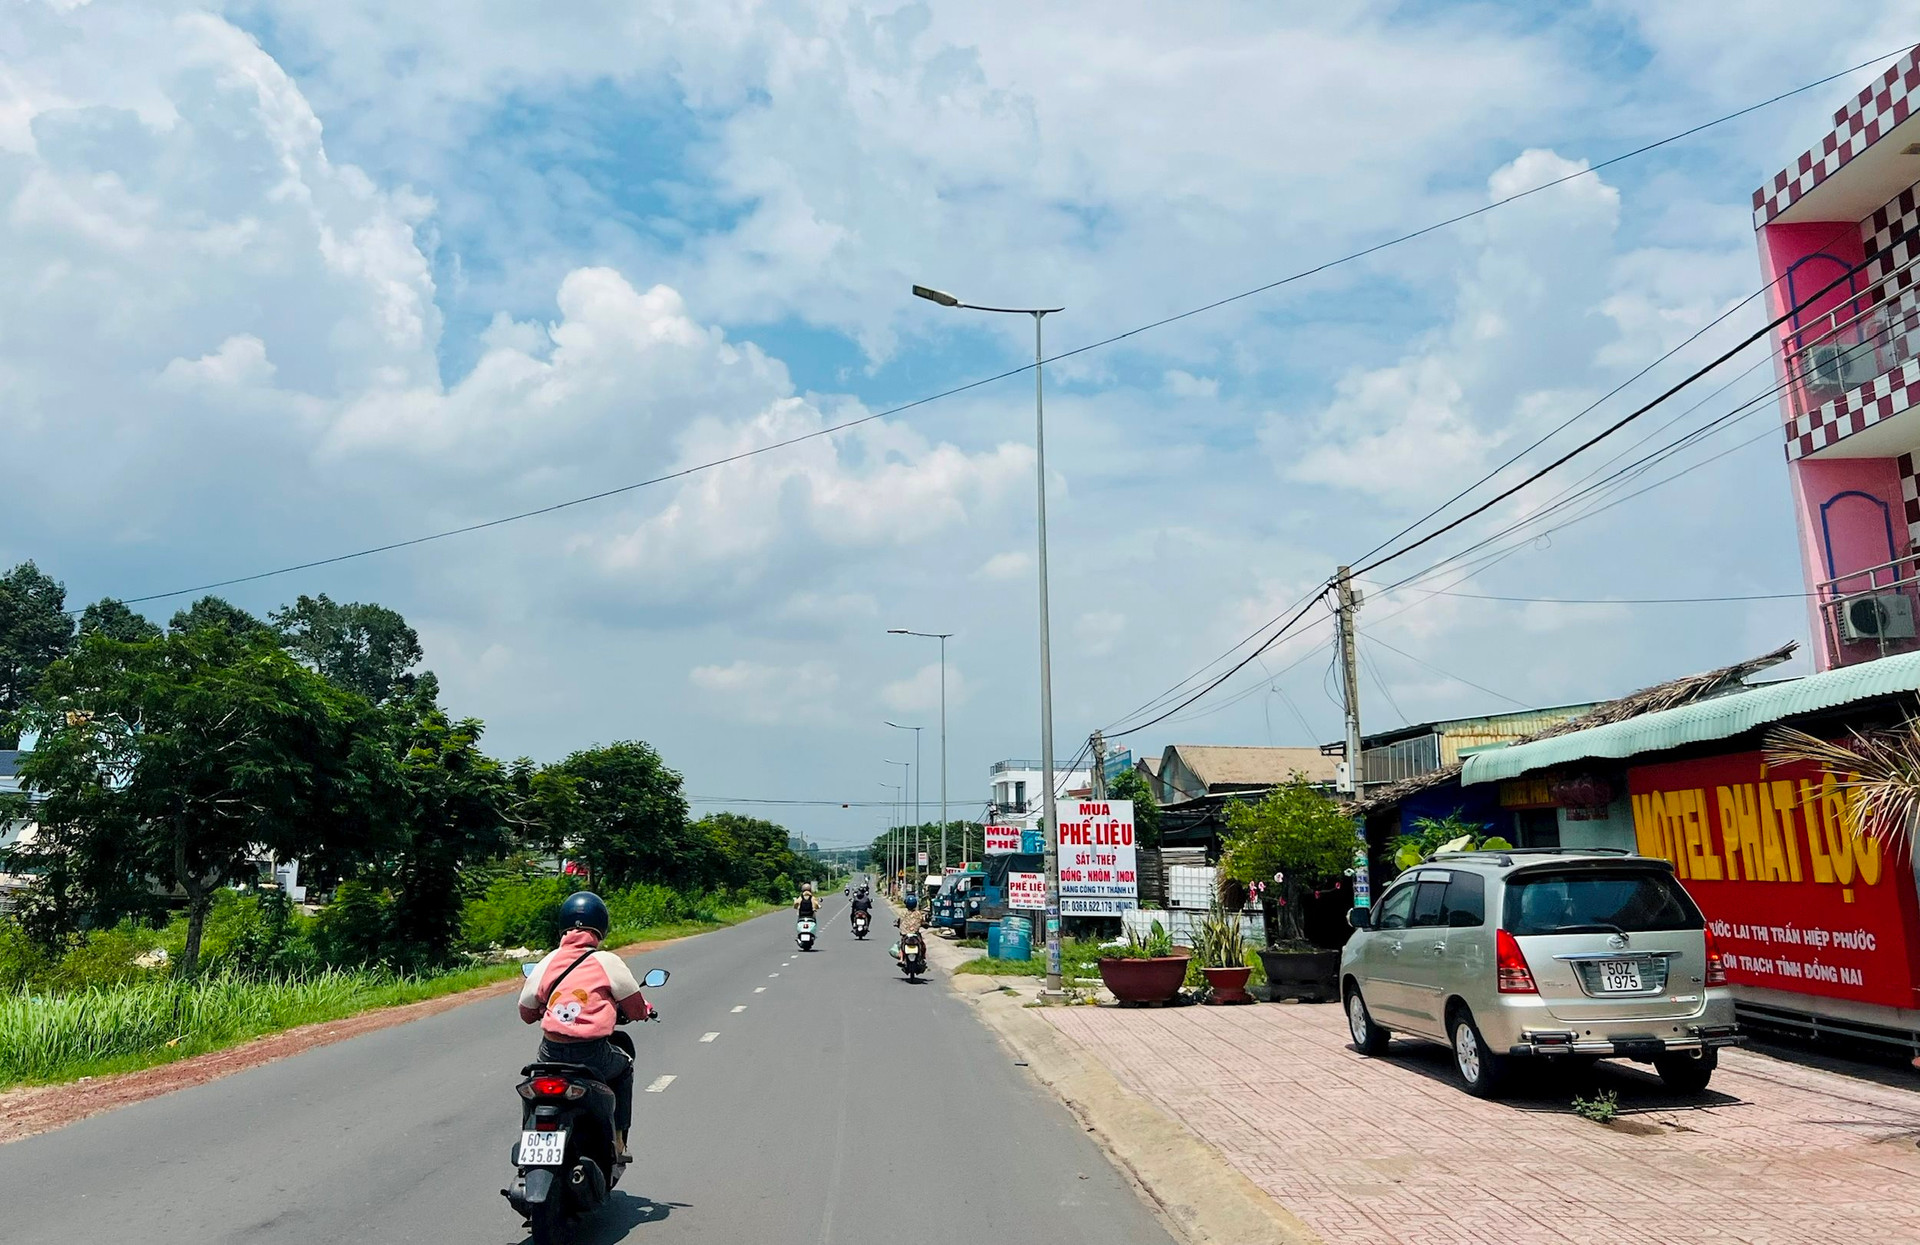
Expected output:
(860, 923)
(565, 1160)
(913, 955)
(803, 931)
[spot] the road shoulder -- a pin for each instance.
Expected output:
(1201, 1198)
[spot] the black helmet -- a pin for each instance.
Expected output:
(584, 910)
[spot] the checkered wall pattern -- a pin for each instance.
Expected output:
(1882, 105)
(1910, 497)
(1855, 411)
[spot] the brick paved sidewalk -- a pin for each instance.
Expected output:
(1392, 1150)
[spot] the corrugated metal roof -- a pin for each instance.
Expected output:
(1717, 718)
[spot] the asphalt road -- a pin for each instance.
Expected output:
(843, 1104)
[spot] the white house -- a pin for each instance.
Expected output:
(1019, 796)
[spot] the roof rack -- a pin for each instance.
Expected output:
(1505, 855)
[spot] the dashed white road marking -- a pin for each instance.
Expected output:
(770, 975)
(708, 1037)
(743, 1006)
(660, 1084)
(759, 989)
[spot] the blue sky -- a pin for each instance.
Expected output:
(295, 278)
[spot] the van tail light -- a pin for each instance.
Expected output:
(1514, 975)
(1716, 967)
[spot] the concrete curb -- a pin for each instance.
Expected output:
(1199, 1195)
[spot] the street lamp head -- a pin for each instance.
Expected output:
(898, 631)
(935, 296)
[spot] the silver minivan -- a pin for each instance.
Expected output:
(1570, 954)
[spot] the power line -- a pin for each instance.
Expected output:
(1101, 343)
(1421, 661)
(1758, 596)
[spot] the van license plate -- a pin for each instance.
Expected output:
(1619, 976)
(543, 1149)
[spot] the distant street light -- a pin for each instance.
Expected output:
(943, 637)
(1046, 661)
(916, 790)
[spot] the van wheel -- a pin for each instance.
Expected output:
(1482, 1071)
(1368, 1037)
(1684, 1074)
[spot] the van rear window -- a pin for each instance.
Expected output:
(1605, 901)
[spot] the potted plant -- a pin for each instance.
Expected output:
(1294, 842)
(1147, 968)
(1221, 948)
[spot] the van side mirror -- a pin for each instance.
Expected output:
(655, 978)
(1361, 918)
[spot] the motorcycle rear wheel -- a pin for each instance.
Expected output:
(548, 1223)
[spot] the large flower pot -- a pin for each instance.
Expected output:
(1310, 976)
(1155, 980)
(1227, 985)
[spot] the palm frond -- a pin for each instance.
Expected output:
(1878, 770)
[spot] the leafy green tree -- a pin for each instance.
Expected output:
(181, 761)
(1294, 841)
(215, 613)
(752, 852)
(456, 811)
(112, 619)
(1131, 784)
(632, 819)
(34, 632)
(368, 649)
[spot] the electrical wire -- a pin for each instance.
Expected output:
(1099, 344)
(1421, 661)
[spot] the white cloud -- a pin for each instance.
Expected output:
(1099, 631)
(240, 361)
(770, 694)
(919, 692)
(1008, 564)
(1182, 384)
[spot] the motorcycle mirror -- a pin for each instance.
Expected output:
(527, 969)
(655, 978)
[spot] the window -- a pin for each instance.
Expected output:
(1394, 908)
(1628, 901)
(1020, 796)
(1538, 827)
(1466, 904)
(1429, 901)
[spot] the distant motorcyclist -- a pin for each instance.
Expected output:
(806, 905)
(912, 921)
(577, 994)
(861, 905)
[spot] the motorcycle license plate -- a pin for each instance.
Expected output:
(543, 1149)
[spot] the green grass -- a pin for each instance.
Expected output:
(1077, 963)
(48, 1038)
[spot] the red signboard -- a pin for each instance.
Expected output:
(1795, 899)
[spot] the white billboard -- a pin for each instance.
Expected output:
(1002, 839)
(1027, 892)
(1097, 858)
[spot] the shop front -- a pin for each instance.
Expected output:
(1819, 925)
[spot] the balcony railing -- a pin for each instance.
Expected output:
(1845, 348)
(1001, 767)
(1870, 613)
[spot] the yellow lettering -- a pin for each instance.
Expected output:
(1866, 844)
(1770, 845)
(1646, 829)
(1781, 798)
(1833, 820)
(1810, 820)
(1729, 831)
(1698, 811)
(1752, 859)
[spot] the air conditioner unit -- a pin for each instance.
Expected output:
(1859, 364)
(1823, 364)
(1882, 616)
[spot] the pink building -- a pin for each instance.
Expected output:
(1839, 237)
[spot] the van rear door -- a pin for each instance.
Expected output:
(1609, 941)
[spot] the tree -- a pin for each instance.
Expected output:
(753, 852)
(369, 649)
(184, 760)
(456, 808)
(1290, 843)
(112, 618)
(34, 632)
(632, 820)
(216, 613)
(1131, 784)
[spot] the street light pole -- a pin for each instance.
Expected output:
(943, 637)
(1051, 814)
(916, 792)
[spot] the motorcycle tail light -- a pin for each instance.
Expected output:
(554, 1087)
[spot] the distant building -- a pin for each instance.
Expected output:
(1839, 239)
(1196, 771)
(1019, 796)
(1397, 755)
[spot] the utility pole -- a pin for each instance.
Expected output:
(1099, 743)
(1348, 616)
